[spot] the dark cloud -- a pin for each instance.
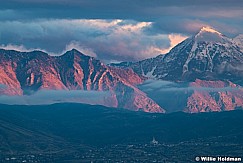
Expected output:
(190, 26)
(114, 9)
(107, 39)
(53, 25)
(170, 24)
(57, 96)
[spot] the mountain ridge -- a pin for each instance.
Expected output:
(196, 57)
(208, 60)
(25, 73)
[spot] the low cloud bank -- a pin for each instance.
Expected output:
(174, 96)
(2, 86)
(167, 86)
(56, 96)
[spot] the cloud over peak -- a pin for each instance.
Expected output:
(111, 29)
(107, 39)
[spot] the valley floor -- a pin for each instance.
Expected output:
(86, 133)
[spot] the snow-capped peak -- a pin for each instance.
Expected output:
(209, 29)
(208, 34)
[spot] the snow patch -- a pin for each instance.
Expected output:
(239, 41)
(150, 74)
(207, 34)
(209, 29)
(164, 75)
(191, 55)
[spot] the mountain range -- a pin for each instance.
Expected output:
(208, 55)
(207, 60)
(25, 73)
(209, 63)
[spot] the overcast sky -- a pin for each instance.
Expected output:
(112, 30)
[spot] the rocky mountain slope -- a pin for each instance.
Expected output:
(209, 62)
(214, 96)
(24, 73)
(207, 55)
(238, 40)
(206, 60)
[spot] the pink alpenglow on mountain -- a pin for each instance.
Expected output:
(207, 60)
(214, 96)
(25, 73)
